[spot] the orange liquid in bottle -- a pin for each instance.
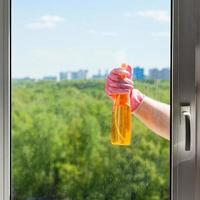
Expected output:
(121, 121)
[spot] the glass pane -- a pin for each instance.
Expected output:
(63, 53)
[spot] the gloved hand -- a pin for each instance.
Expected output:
(119, 81)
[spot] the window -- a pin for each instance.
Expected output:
(62, 118)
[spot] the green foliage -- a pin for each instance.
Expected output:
(61, 145)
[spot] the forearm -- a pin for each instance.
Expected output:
(155, 115)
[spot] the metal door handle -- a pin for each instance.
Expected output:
(187, 131)
(186, 114)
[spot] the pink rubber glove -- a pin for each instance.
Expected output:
(115, 84)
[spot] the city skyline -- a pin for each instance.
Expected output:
(49, 37)
(82, 74)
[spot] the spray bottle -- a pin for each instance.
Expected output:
(121, 118)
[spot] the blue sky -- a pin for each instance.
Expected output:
(49, 36)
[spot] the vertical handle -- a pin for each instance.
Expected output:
(186, 114)
(187, 131)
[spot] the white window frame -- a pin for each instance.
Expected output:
(4, 99)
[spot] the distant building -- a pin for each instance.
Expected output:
(24, 79)
(100, 75)
(49, 78)
(138, 73)
(153, 74)
(64, 76)
(156, 74)
(73, 75)
(165, 74)
(79, 75)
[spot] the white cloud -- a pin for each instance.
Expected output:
(157, 15)
(103, 33)
(45, 22)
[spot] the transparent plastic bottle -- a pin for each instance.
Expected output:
(121, 120)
